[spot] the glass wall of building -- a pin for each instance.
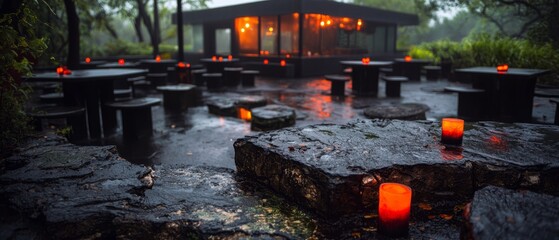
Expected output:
(193, 38)
(325, 35)
(289, 34)
(247, 35)
(268, 35)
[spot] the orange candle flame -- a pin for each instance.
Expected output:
(452, 131)
(60, 70)
(221, 59)
(181, 65)
(265, 61)
(121, 61)
(158, 58)
(394, 209)
(67, 71)
(282, 63)
(288, 56)
(214, 58)
(245, 114)
(230, 57)
(407, 58)
(502, 68)
(87, 60)
(365, 60)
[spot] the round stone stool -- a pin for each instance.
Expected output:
(404, 111)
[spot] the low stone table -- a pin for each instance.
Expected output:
(498, 213)
(178, 97)
(404, 111)
(337, 169)
(272, 117)
(227, 105)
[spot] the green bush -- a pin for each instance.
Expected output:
(122, 47)
(19, 49)
(484, 50)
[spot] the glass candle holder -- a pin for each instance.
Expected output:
(394, 209)
(452, 131)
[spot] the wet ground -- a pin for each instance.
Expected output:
(196, 137)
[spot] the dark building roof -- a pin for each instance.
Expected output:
(279, 7)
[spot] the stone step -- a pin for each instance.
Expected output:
(336, 169)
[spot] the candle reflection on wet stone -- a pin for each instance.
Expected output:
(394, 209)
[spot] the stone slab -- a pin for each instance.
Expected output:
(498, 213)
(336, 169)
(64, 191)
(272, 117)
(404, 111)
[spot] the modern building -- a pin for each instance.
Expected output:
(312, 35)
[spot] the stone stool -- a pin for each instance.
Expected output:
(177, 97)
(337, 84)
(404, 111)
(75, 118)
(232, 76)
(197, 77)
(136, 117)
(393, 85)
(52, 98)
(470, 102)
(432, 73)
(248, 76)
(214, 81)
(556, 101)
(222, 106)
(272, 117)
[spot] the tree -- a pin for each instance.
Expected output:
(73, 60)
(515, 18)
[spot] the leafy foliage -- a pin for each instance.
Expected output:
(19, 50)
(485, 50)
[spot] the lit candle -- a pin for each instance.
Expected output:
(60, 70)
(407, 58)
(220, 58)
(158, 58)
(265, 61)
(452, 131)
(67, 71)
(365, 60)
(394, 209)
(214, 58)
(282, 63)
(502, 68)
(87, 60)
(230, 57)
(245, 114)
(121, 61)
(181, 65)
(287, 56)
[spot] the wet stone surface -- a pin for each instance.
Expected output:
(498, 213)
(272, 117)
(227, 105)
(98, 195)
(336, 169)
(404, 111)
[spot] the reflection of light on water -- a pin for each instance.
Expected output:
(221, 121)
(320, 105)
(319, 84)
(451, 153)
(497, 143)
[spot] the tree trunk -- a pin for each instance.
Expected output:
(143, 14)
(553, 23)
(156, 32)
(180, 31)
(138, 28)
(73, 60)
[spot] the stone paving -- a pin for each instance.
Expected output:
(182, 182)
